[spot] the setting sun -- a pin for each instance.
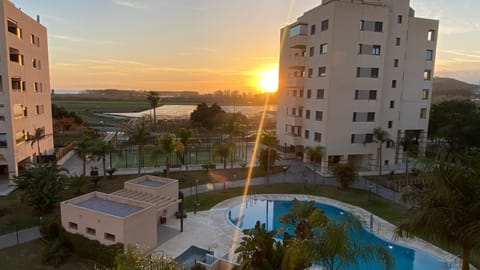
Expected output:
(268, 80)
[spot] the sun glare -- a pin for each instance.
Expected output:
(268, 80)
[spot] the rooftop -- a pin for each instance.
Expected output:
(109, 207)
(150, 183)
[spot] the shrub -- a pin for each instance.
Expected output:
(345, 174)
(56, 252)
(111, 171)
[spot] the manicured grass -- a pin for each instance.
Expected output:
(28, 256)
(388, 210)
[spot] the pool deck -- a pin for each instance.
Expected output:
(211, 229)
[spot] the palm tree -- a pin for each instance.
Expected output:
(154, 100)
(380, 136)
(224, 150)
(140, 136)
(450, 210)
(38, 135)
(336, 246)
(411, 150)
(271, 141)
(256, 250)
(100, 150)
(186, 137)
(168, 144)
(82, 149)
(315, 155)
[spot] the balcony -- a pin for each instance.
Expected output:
(297, 121)
(297, 82)
(297, 62)
(298, 42)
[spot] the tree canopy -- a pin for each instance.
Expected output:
(208, 117)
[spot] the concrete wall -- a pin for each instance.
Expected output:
(140, 229)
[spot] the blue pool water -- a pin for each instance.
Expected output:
(269, 211)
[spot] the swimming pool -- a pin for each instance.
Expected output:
(269, 211)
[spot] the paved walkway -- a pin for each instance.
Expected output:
(22, 236)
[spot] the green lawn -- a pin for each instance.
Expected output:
(28, 256)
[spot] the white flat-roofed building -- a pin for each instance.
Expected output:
(348, 67)
(25, 103)
(129, 216)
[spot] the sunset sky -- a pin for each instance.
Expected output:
(206, 45)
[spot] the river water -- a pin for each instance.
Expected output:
(184, 111)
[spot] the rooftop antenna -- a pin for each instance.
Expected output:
(38, 18)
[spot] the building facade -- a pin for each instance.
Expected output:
(348, 67)
(25, 103)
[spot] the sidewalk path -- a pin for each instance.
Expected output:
(25, 235)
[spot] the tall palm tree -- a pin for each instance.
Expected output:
(140, 136)
(271, 141)
(381, 137)
(450, 210)
(336, 246)
(315, 154)
(187, 137)
(224, 150)
(100, 150)
(38, 135)
(82, 149)
(154, 100)
(168, 144)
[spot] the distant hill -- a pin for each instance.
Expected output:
(448, 88)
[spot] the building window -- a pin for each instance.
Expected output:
(73, 225)
(16, 84)
(310, 72)
(91, 231)
(320, 93)
(294, 111)
(311, 51)
(39, 109)
(431, 35)
(365, 94)
(394, 83)
(425, 94)
(307, 114)
(38, 87)
(309, 93)
(429, 55)
(386, 161)
(390, 124)
(317, 137)
(306, 134)
(36, 63)
(300, 93)
(371, 26)
(392, 104)
(363, 72)
(423, 113)
(300, 111)
(324, 48)
(313, 29)
(397, 41)
(324, 25)
(3, 140)
(318, 115)
(20, 137)
(322, 71)
(362, 138)
(369, 49)
(427, 75)
(395, 62)
(14, 29)
(2, 112)
(17, 111)
(35, 40)
(109, 236)
(363, 117)
(399, 19)
(298, 30)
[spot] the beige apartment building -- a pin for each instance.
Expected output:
(350, 66)
(24, 89)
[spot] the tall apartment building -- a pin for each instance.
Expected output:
(25, 103)
(350, 66)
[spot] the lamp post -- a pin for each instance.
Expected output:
(196, 197)
(369, 191)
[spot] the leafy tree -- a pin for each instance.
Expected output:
(315, 155)
(381, 137)
(41, 186)
(224, 150)
(345, 174)
(449, 211)
(38, 135)
(82, 149)
(168, 144)
(267, 158)
(456, 122)
(258, 249)
(130, 260)
(208, 117)
(100, 150)
(411, 149)
(335, 247)
(154, 100)
(77, 183)
(140, 136)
